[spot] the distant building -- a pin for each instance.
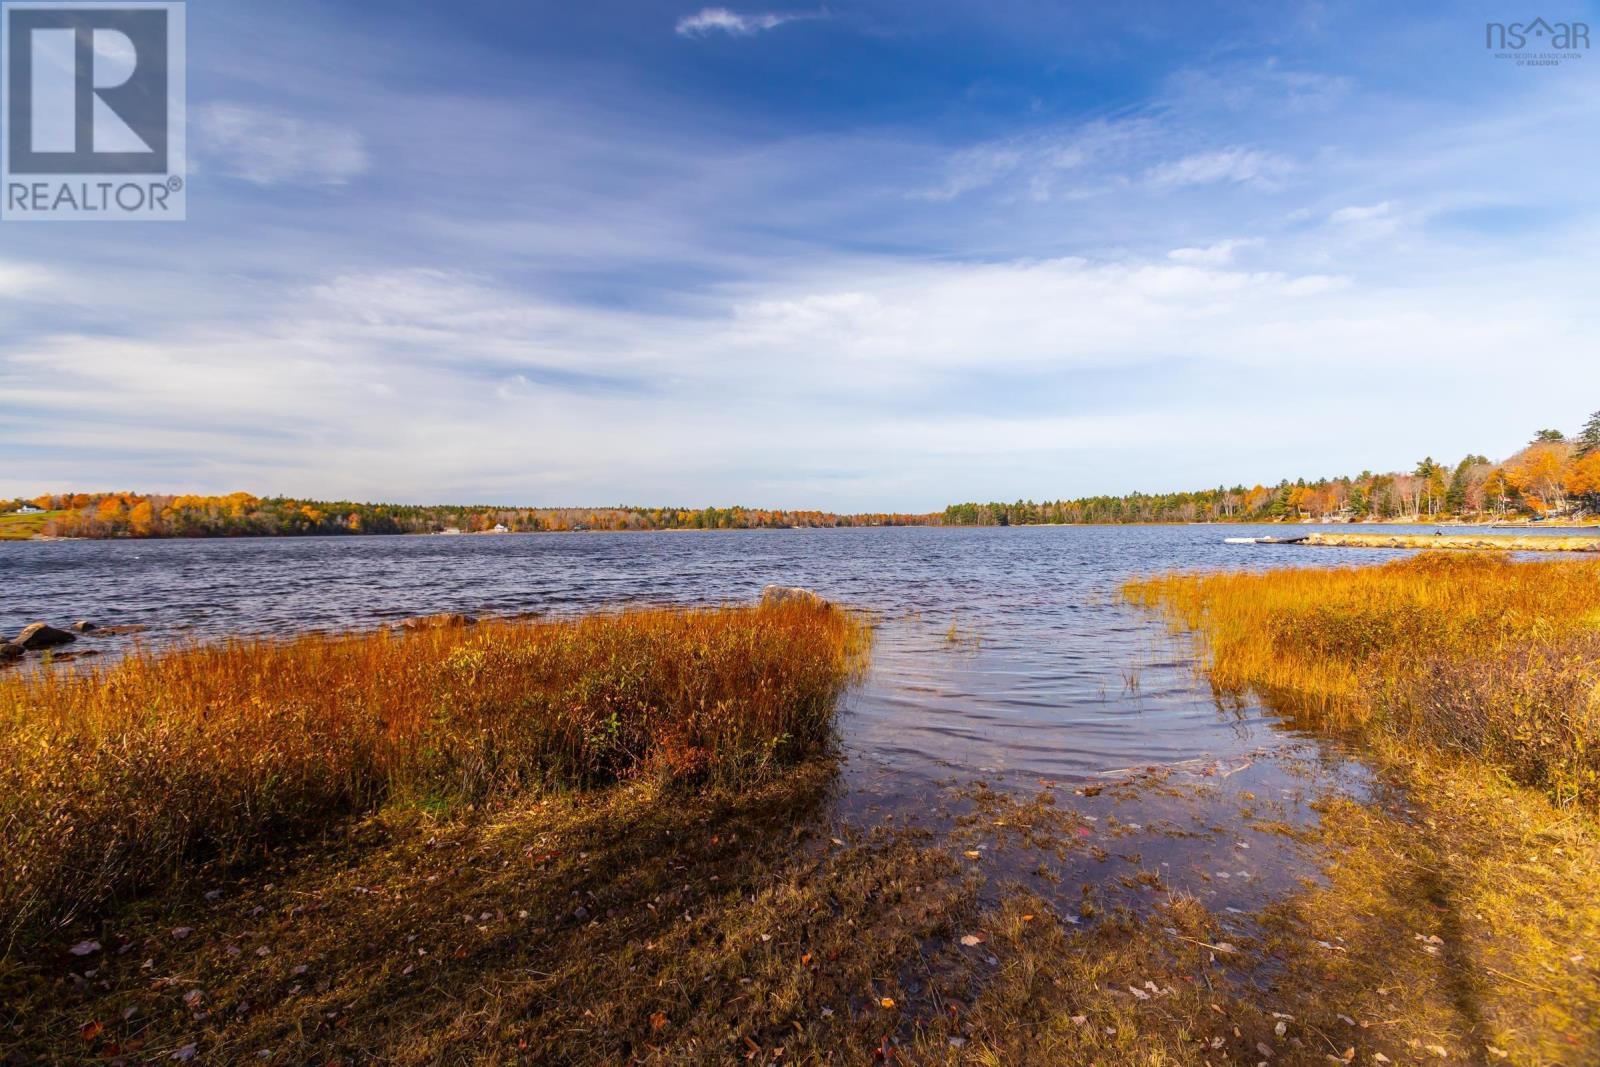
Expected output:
(499, 527)
(29, 509)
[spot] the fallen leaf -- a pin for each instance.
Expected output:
(85, 948)
(1498, 1053)
(971, 939)
(658, 1021)
(186, 1053)
(886, 1002)
(91, 1030)
(1027, 918)
(973, 854)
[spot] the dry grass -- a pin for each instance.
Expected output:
(112, 781)
(1492, 659)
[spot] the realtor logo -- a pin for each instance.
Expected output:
(93, 104)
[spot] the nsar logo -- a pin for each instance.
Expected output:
(1538, 43)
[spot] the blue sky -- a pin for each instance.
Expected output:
(854, 256)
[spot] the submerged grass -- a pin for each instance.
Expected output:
(1479, 656)
(116, 779)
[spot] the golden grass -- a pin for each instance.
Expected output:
(1471, 542)
(113, 780)
(1476, 655)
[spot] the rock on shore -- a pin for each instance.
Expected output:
(783, 594)
(42, 635)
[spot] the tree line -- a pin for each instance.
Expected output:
(126, 514)
(1554, 476)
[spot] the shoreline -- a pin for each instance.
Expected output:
(1457, 542)
(1225, 524)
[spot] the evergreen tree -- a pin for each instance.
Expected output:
(1455, 498)
(1589, 436)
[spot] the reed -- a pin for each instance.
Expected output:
(112, 780)
(1483, 656)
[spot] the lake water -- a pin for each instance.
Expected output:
(1004, 655)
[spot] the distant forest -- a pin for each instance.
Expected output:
(105, 515)
(1553, 477)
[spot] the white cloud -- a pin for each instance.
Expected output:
(1357, 213)
(1233, 165)
(439, 384)
(21, 279)
(269, 148)
(720, 20)
(1216, 255)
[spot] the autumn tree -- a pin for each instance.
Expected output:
(1539, 473)
(1583, 480)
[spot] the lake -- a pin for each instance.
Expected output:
(1004, 656)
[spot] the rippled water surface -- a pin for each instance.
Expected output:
(1001, 654)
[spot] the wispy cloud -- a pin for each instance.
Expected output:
(709, 20)
(1042, 165)
(269, 148)
(1234, 165)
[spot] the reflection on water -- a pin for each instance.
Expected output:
(1001, 654)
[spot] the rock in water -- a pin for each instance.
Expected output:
(10, 651)
(783, 594)
(43, 635)
(83, 626)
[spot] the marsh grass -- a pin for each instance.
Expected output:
(112, 780)
(1482, 656)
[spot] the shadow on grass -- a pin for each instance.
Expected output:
(628, 924)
